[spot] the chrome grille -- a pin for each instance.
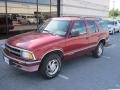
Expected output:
(12, 50)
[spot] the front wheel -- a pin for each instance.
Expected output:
(51, 66)
(98, 51)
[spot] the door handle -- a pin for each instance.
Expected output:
(87, 37)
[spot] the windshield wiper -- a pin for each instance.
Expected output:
(48, 32)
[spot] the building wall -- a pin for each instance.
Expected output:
(85, 8)
(68, 7)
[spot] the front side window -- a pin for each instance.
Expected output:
(92, 26)
(56, 27)
(79, 26)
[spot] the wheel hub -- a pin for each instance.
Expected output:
(100, 50)
(52, 67)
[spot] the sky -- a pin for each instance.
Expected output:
(117, 4)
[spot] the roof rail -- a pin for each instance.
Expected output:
(86, 17)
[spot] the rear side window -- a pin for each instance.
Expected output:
(92, 26)
(103, 25)
(79, 26)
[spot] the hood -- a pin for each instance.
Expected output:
(32, 40)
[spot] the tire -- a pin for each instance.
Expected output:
(51, 66)
(113, 31)
(119, 31)
(98, 51)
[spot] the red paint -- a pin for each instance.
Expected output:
(41, 44)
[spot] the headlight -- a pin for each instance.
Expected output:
(27, 55)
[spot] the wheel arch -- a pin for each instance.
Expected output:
(102, 41)
(56, 51)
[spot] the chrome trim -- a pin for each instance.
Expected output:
(51, 51)
(22, 50)
(78, 50)
(24, 62)
(10, 50)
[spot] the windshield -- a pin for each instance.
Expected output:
(55, 27)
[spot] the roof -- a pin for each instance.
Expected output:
(76, 18)
(66, 18)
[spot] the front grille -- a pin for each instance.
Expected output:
(12, 50)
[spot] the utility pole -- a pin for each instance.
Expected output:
(113, 9)
(58, 8)
(50, 8)
(37, 15)
(6, 16)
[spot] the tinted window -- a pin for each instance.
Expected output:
(103, 25)
(92, 26)
(79, 26)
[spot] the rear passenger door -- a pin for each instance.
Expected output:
(93, 33)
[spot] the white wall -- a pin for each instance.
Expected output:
(85, 8)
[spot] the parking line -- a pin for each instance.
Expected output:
(63, 77)
(113, 89)
(106, 57)
(112, 46)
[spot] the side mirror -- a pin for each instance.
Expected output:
(75, 33)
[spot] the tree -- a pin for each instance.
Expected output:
(114, 13)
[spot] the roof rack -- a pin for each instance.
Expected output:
(86, 17)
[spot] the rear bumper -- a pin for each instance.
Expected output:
(29, 66)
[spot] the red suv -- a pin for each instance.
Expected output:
(55, 40)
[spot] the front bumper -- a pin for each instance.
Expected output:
(29, 66)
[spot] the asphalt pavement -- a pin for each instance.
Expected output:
(79, 73)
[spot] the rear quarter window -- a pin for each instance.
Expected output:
(103, 25)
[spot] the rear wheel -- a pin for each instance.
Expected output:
(51, 66)
(119, 31)
(99, 50)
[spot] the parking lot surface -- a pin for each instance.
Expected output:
(80, 73)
